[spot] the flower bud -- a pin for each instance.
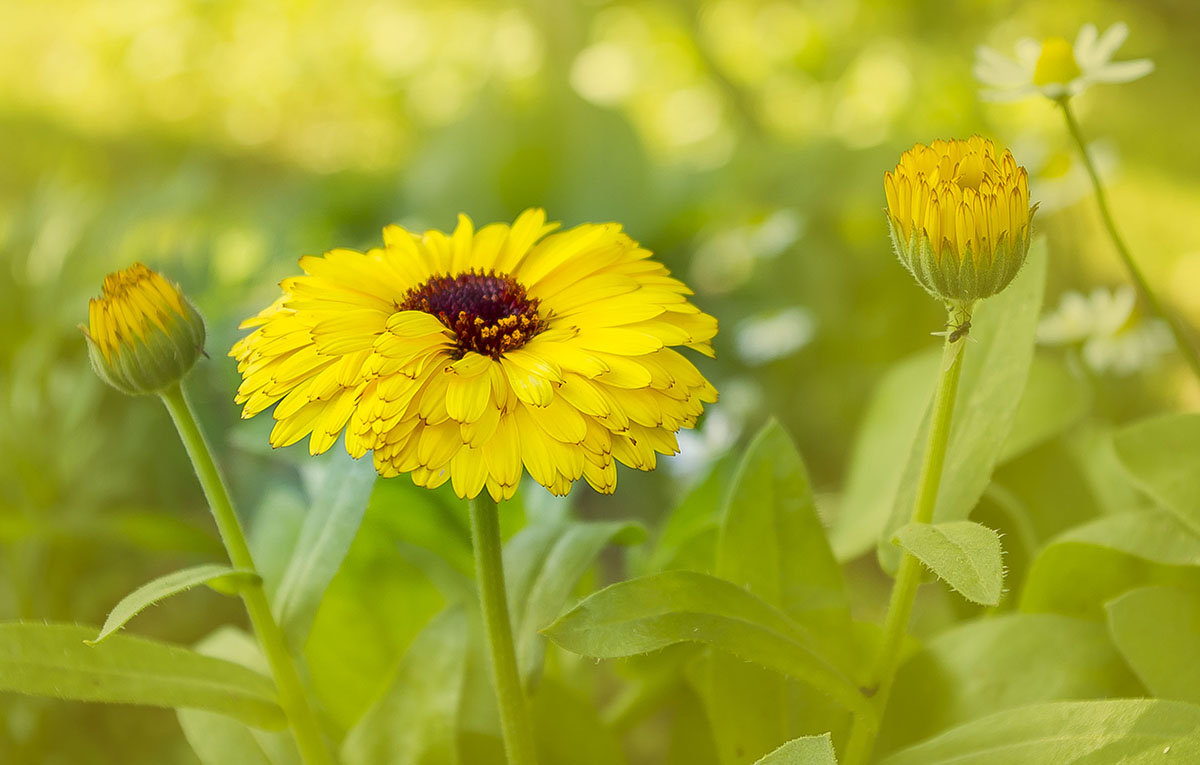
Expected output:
(143, 334)
(960, 217)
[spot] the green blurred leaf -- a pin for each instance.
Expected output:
(810, 750)
(1055, 398)
(568, 729)
(1157, 629)
(538, 599)
(992, 664)
(653, 612)
(995, 372)
(1161, 454)
(888, 432)
(339, 493)
(966, 555)
(1069, 733)
(220, 740)
(1084, 568)
(220, 578)
(416, 719)
(52, 660)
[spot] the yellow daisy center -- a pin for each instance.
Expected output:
(1056, 64)
(489, 312)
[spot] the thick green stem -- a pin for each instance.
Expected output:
(489, 570)
(908, 577)
(292, 697)
(1190, 352)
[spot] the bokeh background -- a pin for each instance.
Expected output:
(743, 141)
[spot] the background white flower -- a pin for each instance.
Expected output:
(773, 335)
(1112, 339)
(1055, 68)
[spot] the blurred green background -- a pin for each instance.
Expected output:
(743, 141)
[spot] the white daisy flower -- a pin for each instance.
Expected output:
(1112, 340)
(1055, 68)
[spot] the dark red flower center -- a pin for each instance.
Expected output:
(489, 313)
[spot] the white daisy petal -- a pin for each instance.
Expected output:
(997, 70)
(1028, 51)
(1112, 39)
(1085, 45)
(1123, 71)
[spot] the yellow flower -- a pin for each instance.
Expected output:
(960, 217)
(142, 334)
(465, 357)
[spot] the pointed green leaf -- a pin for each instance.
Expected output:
(964, 554)
(220, 578)
(1161, 454)
(541, 598)
(772, 543)
(340, 489)
(1157, 629)
(994, 376)
(416, 719)
(810, 750)
(1068, 733)
(887, 434)
(52, 660)
(653, 612)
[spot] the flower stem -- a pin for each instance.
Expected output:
(292, 697)
(489, 570)
(908, 577)
(1190, 352)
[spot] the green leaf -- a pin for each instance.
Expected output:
(52, 660)
(538, 599)
(1055, 398)
(810, 750)
(996, 663)
(1082, 569)
(1069, 733)
(687, 536)
(772, 543)
(416, 719)
(994, 376)
(218, 577)
(1161, 454)
(653, 612)
(965, 555)
(568, 729)
(1157, 629)
(339, 493)
(888, 432)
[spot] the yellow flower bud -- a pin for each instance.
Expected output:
(960, 217)
(142, 334)
(1056, 64)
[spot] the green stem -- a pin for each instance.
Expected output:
(489, 570)
(908, 578)
(292, 697)
(1190, 352)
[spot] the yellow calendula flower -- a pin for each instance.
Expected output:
(142, 334)
(960, 217)
(464, 357)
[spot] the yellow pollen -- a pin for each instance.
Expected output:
(1056, 64)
